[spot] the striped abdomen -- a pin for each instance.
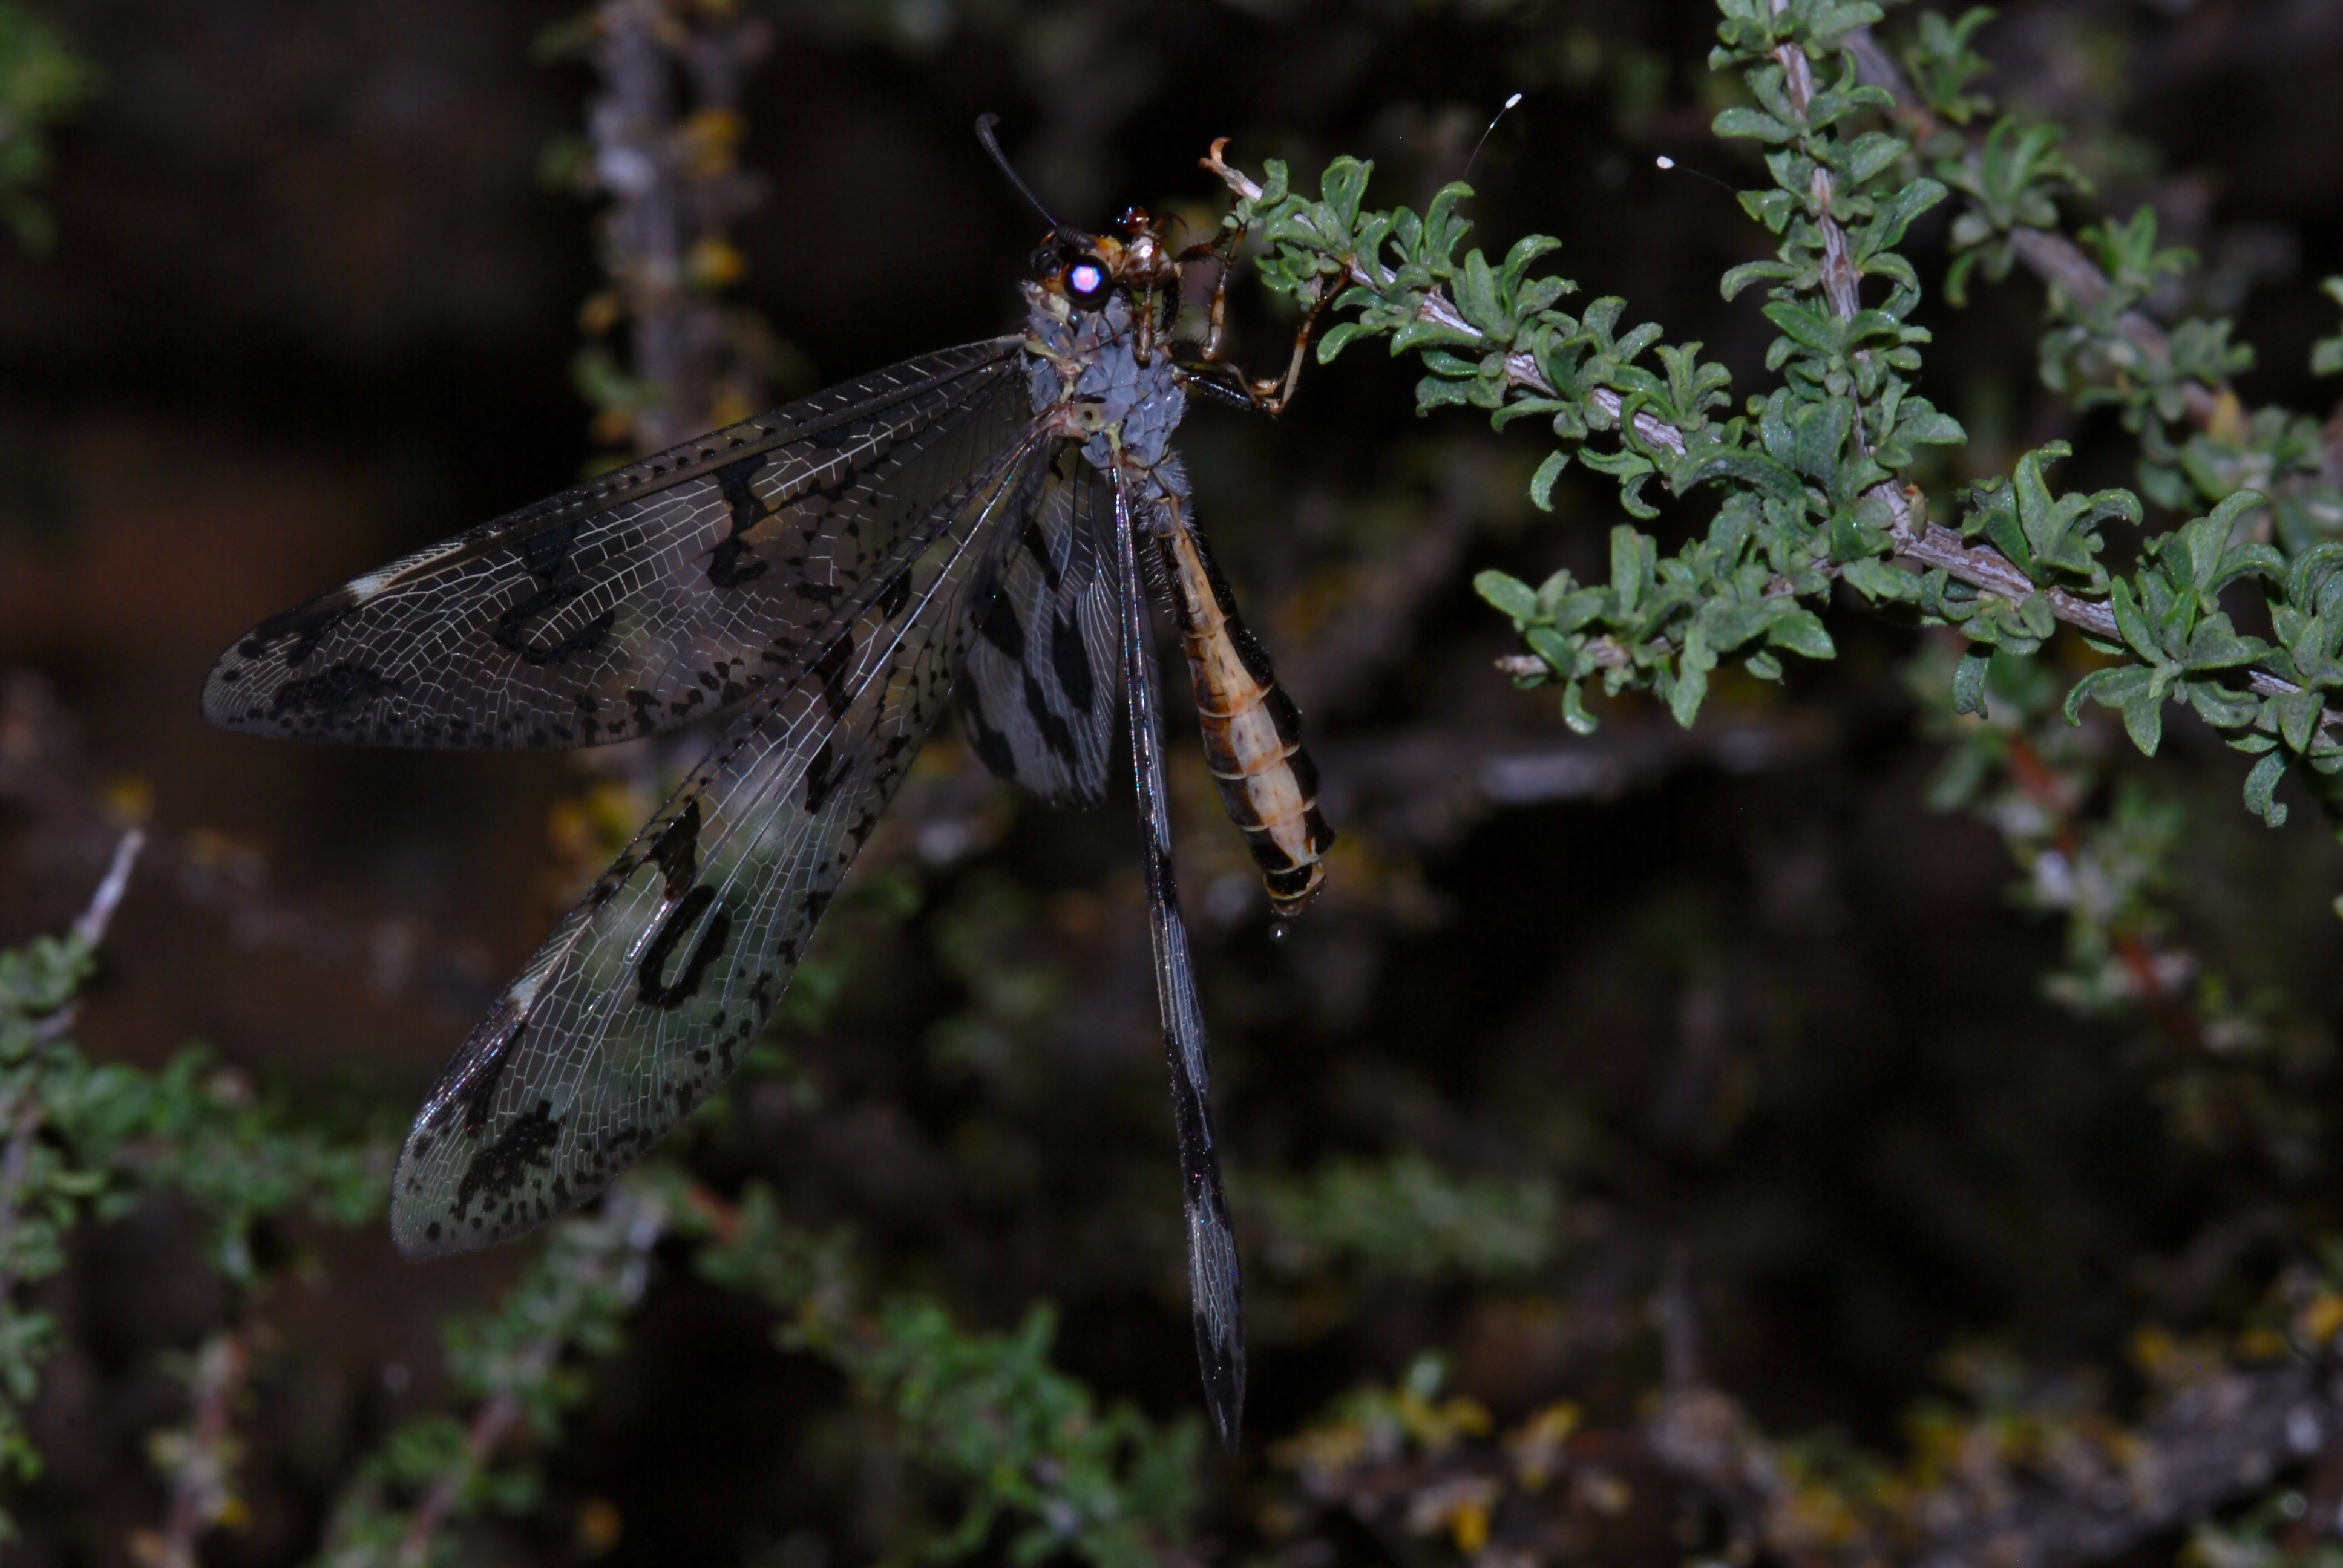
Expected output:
(1253, 733)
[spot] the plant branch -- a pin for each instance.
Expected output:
(486, 1433)
(594, 1268)
(202, 1459)
(1917, 543)
(2051, 257)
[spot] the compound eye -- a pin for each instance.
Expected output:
(1086, 280)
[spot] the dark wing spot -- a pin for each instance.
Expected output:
(990, 746)
(824, 774)
(725, 569)
(830, 670)
(307, 623)
(512, 632)
(1039, 548)
(646, 705)
(1055, 732)
(343, 686)
(677, 849)
(1070, 662)
(499, 1171)
(545, 555)
(1002, 631)
(680, 920)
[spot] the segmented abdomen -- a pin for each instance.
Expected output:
(1252, 732)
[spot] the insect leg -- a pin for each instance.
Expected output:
(1209, 373)
(1224, 249)
(1216, 1288)
(1272, 396)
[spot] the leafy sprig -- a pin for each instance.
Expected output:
(82, 1141)
(1815, 474)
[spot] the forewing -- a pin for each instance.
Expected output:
(662, 591)
(640, 1003)
(1046, 674)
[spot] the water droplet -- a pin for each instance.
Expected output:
(1277, 930)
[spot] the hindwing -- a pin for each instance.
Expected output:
(643, 999)
(1045, 677)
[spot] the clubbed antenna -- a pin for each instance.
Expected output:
(1484, 134)
(984, 124)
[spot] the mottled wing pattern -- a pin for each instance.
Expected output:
(662, 591)
(639, 1004)
(1045, 676)
(1215, 1286)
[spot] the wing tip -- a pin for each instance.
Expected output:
(420, 1236)
(409, 1234)
(1224, 1367)
(222, 708)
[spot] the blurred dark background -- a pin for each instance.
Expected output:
(1736, 996)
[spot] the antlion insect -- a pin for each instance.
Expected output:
(825, 575)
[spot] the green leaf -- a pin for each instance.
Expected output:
(1631, 555)
(1870, 153)
(1477, 298)
(1541, 482)
(1754, 124)
(1345, 182)
(1806, 326)
(1573, 711)
(1968, 682)
(1339, 338)
(1684, 697)
(1753, 469)
(2261, 788)
(1801, 632)
(2122, 688)
(2131, 623)
(1554, 647)
(1822, 430)
(1920, 423)
(2297, 717)
(1507, 595)
(2221, 708)
(2142, 716)
(1877, 581)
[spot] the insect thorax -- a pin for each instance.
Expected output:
(1084, 361)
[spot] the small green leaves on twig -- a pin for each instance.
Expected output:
(1804, 473)
(1813, 475)
(82, 1139)
(2013, 181)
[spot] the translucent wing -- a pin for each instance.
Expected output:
(665, 590)
(1215, 1286)
(1045, 675)
(638, 1006)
